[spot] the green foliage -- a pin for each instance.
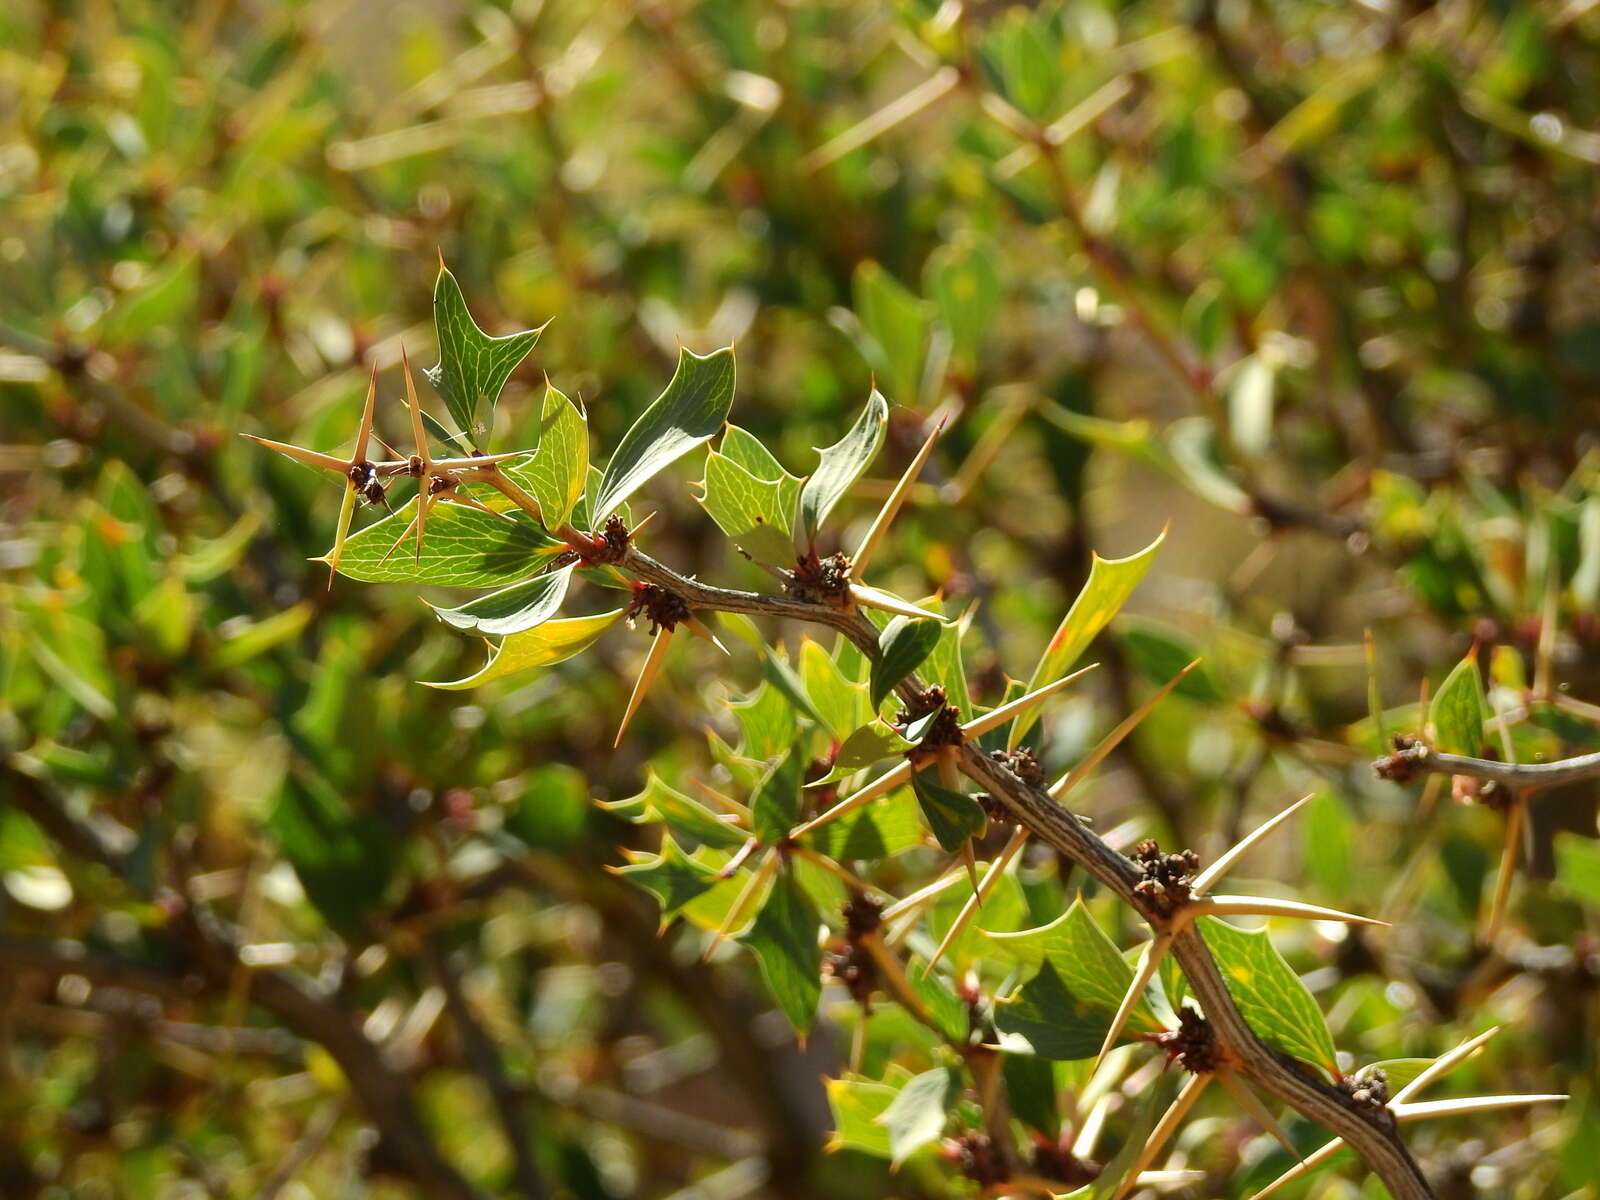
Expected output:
(841, 464)
(473, 367)
(902, 646)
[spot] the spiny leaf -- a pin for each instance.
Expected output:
(918, 1114)
(473, 367)
(687, 414)
(952, 816)
(885, 827)
(464, 548)
(777, 799)
(902, 646)
(758, 514)
(684, 815)
(558, 472)
(1111, 581)
(784, 939)
(841, 464)
(514, 609)
(857, 1105)
(841, 703)
(672, 877)
(1458, 710)
(538, 647)
(1270, 996)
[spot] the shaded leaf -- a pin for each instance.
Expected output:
(776, 803)
(896, 323)
(902, 646)
(672, 877)
(951, 816)
(784, 939)
(684, 815)
(887, 826)
(1159, 652)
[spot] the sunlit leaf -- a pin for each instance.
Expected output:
(558, 472)
(919, 1112)
(514, 609)
(463, 548)
(1459, 710)
(672, 877)
(473, 367)
(538, 647)
(841, 464)
(757, 514)
(1270, 996)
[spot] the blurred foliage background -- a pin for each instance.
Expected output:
(1312, 282)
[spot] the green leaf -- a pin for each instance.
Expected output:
(1111, 581)
(538, 647)
(841, 704)
(672, 877)
(896, 322)
(1458, 710)
(1046, 1019)
(473, 367)
(945, 668)
(685, 816)
(784, 939)
(1027, 63)
(1578, 867)
(1270, 996)
(782, 676)
(867, 745)
(686, 415)
(1088, 968)
(462, 548)
(952, 816)
(887, 826)
(1159, 652)
(1031, 1092)
(344, 859)
(903, 644)
(858, 1104)
(776, 802)
(515, 609)
(554, 808)
(758, 514)
(841, 464)
(918, 1114)
(558, 472)
(964, 283)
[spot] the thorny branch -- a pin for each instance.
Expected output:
(1417, 758)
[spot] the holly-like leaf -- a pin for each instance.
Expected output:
(841, 704)
(1031, 1091)
(918, 1113)
(538, 647)
(1088, 967)
(1458, 710)
(887, 826)
(515, 609)
(951, 816)
(944, 667)
(473, 367)
(558, 472)
(672, 877)
(1111, 581)
(857, 1105)
(1046, 1019)
(902, 646)
(1578, 867)
(686, 415)
(1270, 996)
(463, 548)
(784, 939)
(841, 464)
(684, 815)
(758, 514)
(776, 802)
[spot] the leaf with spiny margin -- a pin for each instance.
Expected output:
(782, 676)
(944, 1008)
(1086, 961)
(784, 939)
(744, 448)
(857, 1105)
(1046, 1019)
(1111, 581)
(1458, 710)
(951, 816)
(672, 877)
(1159, 652)
(1270, 996)
(515, 609)
(841, 704)
(867, 745)
(766, 723)
(582, 513)
(684, 815)
(463, 548)
(776, 802)
(687, 414)
(540, 646)
(902, 646)
(758, 514)
(557, 474)
(841, 464)
(885, 827)
(918, 1114)
(473, 367)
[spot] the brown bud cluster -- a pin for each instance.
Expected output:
(817, 580)
(1021, 763)
(1167, 877)
(1192, 1045)
(976, 1157)
(1403, 765)
(662, 608)
(611, 546)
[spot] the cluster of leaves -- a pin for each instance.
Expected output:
(1310, 282)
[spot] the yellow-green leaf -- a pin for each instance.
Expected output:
(558, 472)
(1270, 996)
(539, 647)
(1458, 710)
(462, 548)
